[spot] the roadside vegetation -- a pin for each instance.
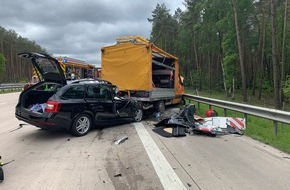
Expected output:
(234, 51)
(12, 69)
(257, 128)
(229, 45)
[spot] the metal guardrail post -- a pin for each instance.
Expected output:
(275, 128)
(246, 119)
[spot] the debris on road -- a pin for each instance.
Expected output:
(118, 175)
(19, 127)
(1, 169)
(185, 121)
(121, 140)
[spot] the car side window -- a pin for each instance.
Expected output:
(93, 92)
(98, 92)
(75, 92)
(105, 94)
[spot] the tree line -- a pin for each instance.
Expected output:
(12, 68)
(229, 44)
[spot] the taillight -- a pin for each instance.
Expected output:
(52, 106)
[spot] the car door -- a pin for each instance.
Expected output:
(100, 101)
(72, 101)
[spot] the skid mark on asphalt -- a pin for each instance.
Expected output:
(165, 172)
(20, 126)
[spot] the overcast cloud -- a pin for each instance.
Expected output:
(79, 29)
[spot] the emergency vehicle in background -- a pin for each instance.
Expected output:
(72, 68)
(79, 68)
(143, 71)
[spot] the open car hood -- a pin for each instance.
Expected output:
(47, 68)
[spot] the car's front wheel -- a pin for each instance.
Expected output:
(138, 115)
(81, 125)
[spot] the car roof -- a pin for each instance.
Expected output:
(85, 82)
(90, 81)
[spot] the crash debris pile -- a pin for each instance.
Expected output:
(186, 122)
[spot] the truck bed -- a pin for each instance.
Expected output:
(158, 94)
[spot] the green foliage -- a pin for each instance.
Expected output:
(2, 65)
(286, 88)
(204, 36)
(164, 28)
(10, 45)
(267, 86)
(231, 67)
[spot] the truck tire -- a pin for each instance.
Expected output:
(160, 106)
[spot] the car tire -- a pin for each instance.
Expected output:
(160, 106)
(81, 125)
(138, 115)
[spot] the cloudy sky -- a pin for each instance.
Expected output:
(80, 28)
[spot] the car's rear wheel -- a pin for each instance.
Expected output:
(138, 115)
(81, 125)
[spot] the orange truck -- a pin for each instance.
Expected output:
(143, 71)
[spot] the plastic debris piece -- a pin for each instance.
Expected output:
(117, 175)
(121, 140)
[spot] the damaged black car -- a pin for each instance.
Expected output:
(76, 107)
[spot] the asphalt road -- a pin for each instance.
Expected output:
(146, 160)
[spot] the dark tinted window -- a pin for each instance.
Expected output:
(93, 92)
(99, 92)
(74, 92)
(105, 93)
(46, 65)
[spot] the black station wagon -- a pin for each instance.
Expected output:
(76, 106)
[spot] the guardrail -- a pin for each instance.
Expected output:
(11, 86)
(267, 113)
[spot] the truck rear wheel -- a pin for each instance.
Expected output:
(160, 106)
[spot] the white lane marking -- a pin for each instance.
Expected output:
(166, 174)
(2, 103)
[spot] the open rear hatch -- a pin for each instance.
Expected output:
(46, 67)
(51, 78)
